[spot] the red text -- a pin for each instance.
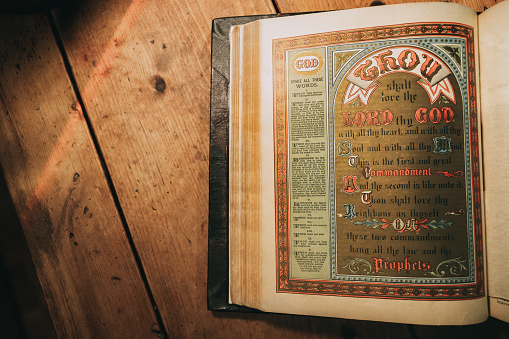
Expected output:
(405, 265)
(383, 117)
(435, 115)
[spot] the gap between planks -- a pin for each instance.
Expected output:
(161, 332)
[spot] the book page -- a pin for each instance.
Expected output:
(495, 107)
(370, 135)
(245, 169)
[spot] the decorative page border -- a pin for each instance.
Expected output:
(363, 49)
(429, 291)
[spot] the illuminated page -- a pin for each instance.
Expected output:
(495, 106)
(377, 173)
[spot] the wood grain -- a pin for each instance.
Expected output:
(291, 6)
(86, 268)
(142, 69)
(143, 72)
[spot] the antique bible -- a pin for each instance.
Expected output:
(358, 167)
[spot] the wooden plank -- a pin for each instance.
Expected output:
(291, 6)
(79, 247)
(143, 73)
(18, 278)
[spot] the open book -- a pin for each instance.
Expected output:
(359, 185)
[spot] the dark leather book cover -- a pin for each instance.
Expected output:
(218, 260)
(217, 279)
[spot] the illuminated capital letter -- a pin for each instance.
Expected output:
(448, 114)
(398, 224)
(349, 184)
(344, 148)
(378, 264)
(366, 197)
(348, 121)
(352, 160)
(350, 211)
(366, 173)
(420, 115)
(408, 59)
(427, 70)
(366, 74)
(442, 145)
(385, 62)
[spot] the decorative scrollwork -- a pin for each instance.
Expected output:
(460, 212)
(353, 265)
(450, 267)
(456, 174)
(406, 225)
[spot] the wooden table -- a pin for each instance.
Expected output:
(104, 134)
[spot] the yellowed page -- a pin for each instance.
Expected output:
(495, 107)
(245, 171)
(403, 308)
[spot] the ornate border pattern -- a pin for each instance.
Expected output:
(359, 289)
